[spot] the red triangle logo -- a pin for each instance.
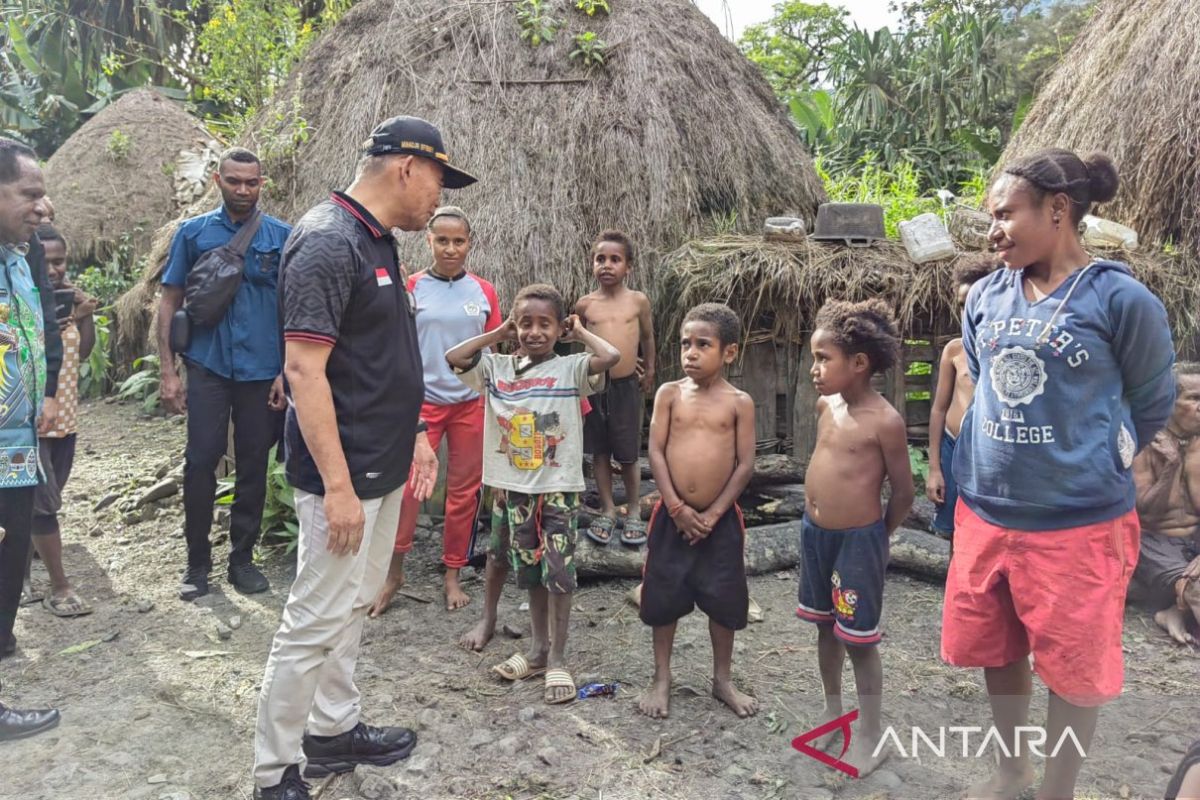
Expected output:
(842, 723)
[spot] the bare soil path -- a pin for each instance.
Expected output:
(158, 696)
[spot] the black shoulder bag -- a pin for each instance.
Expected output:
(211, 285)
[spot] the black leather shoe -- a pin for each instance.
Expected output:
(16, 724)
(292, 787)
(247, 579)
(194, 584)
(363, 744)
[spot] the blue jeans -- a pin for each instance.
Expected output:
(943, 522)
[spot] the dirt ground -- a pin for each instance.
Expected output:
(157, 704)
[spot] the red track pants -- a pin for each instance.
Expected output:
(462, 425)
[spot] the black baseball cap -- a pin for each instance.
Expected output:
(416, 137)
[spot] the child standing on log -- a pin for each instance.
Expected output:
(861, 440)
(619, 315)
(532, 407)
(955, 388)
(702, 455)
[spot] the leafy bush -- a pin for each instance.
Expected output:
(898, 190)
(94, 373)
(144, 384)
(279, 525)
(538, 24)
(589, 49)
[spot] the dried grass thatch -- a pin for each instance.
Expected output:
(1130, 86)
(785, 284)
(102, 193)
(676, 128)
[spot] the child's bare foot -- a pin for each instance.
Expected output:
(391, 585)
(832, 742)
(861, 754)
(1174, 621)
(655, 702)
(456, 598)
(740, 703)
(1003, 785)
(477, 638)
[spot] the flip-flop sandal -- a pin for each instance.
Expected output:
(517, 668)
(556, 679)
(600, 530)
(29, 596)
(637, 527)
(70, 606)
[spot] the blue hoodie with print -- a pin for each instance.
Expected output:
(1068, 389)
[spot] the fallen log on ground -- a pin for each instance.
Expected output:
(770, 548)
(769, 470)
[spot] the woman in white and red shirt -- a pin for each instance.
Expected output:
(452, 305)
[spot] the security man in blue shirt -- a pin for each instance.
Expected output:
(233, 367)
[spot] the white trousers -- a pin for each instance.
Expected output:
(310, 671)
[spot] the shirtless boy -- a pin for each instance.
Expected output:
(861, 440)
(1167, 475)
(621, 316)
(950, 402)
(702, 455)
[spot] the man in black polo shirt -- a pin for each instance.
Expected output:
(355, 391)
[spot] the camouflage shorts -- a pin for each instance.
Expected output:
(537, 534)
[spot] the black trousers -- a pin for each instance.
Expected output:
(16, 517)
(210, 400)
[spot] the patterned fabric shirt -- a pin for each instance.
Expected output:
(68, 384)
(22, 370)
(532, 423)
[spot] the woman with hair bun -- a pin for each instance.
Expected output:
(1072, 360)
(452, 304)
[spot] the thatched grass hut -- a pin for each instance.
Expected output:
(1130, 86)
(676, 128)
(114, 178)
(777, 288)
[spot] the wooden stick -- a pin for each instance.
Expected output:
(517, 82)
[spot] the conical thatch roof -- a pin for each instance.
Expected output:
(115, 175)
(1130, 86)
(676, 130)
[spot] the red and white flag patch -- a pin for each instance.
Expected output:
(381, 276)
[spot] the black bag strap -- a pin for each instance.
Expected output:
(240, 242)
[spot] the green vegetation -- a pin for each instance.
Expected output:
(118, 145)
(538, 24)
(279, 525)
(589, 49)
(943, 92)
(94, 378)
(143, 384)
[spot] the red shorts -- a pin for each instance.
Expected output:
(1057, 594)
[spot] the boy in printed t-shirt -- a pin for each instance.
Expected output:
(619, 315)
(532, 405)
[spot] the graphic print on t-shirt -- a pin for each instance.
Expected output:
(529, 439)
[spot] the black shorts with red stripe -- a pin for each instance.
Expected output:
(711, 574)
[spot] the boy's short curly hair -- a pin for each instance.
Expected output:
(617, 237)
(867, 327)
(974, 268)
(545, 292)
(721, 317)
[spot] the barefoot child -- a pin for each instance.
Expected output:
(529, 398)
(702, 454)
(950, 401)
(861, 440)
(621, 316)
